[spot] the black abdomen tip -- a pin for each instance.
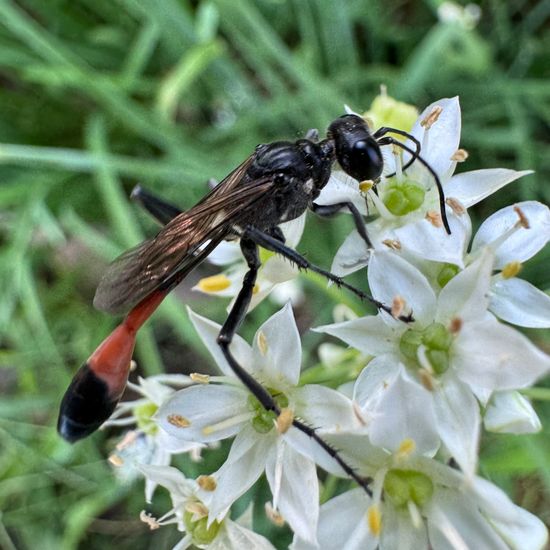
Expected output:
(85, 406)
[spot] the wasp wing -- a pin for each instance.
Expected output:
(164, 260)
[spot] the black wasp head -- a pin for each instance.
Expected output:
(356, 150)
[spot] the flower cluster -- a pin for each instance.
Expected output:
(422, 392)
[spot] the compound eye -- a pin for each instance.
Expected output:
(365, 160)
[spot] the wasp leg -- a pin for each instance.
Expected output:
(385, 130)
(161, 210)
(389, 140)
(225, 337)
(327, 210)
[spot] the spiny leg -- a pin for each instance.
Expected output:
(161, 210)
(225, 337)
(263, 239)
(388, 140)
(385, 130)
(327, 210)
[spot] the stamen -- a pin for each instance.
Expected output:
(456, 206)
(398, 164)
(276, 489)
(115, 460)
(262, 342)
(178, 421)
(256, 289)
(149, 520)
(207, 483)
(423, 359)
(366, 185)
(127, 440)
(456, 325)
(200, 378)
(273, 515)
(431, 117)
(380, 206)
(215, 283)
(133, 365)
(426, 379)
(434, 218)
(374, 518)
(524, 222)
(511, 269)
(460, 155)
(227, 423)
(394, 244)
(414, 513)
(284, 420)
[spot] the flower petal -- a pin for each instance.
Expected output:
(342, 188)
(458, 419)
(426, 241)
(495, 356)
(524, 243)
(370, 335)
(453, 522)
(443, 137)
(472, 187)
(351, 256)
(391, 276)
(293, 230)
(520, 303)
(293, 477)
(374, 381)
(519, 528)
(170, 478)
(208, 331)
(405, 412)
(324, 407)
(511, 412)
(203, 407)
(244, 465)
(227, 252)
(233, 536)
(398, 532)
(466, 296)
(342, 524)
(278, 350)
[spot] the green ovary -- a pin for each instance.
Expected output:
(198, 529)
(144, 418)
(263, 420)
(402, 486)
(435, 339)
(404, 197)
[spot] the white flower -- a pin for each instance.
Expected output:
(510, 412)
(276, 274)
(192, 516)
(425, 376)
(419, 504)
(216, 411)
(407, 205)
(147, 444)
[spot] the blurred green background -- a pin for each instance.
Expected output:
(97, 95)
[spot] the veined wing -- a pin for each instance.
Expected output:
(181, 245)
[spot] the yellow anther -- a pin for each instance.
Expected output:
(116, 460)
(426, 379)
(200, 378)
(456, 205)
(149, 520)
(460, 155)
(374, 518)
(215, 283)
(365, 186)
(178, 421)
(406, 448)
(432, 117)
(273, 515)
(127, 440)
(208, 483)
(133, 365)
(397, 306)
(284, 420)
(434, 218)
(394, 244)
(511, 269)
(256, 289)
(262, 342)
